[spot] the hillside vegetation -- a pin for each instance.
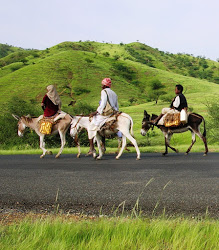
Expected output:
(77, 68)
(6, 49)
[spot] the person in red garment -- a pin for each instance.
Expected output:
(51, 103)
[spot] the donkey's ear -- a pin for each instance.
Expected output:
(145, 113)
(16, 117)
(153, 116)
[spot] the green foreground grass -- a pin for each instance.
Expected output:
(150, 149)
(111, 233)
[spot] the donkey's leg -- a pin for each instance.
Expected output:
(122, 148)
(133, 141)
(63, 141)
(99, 147)
(166, 147)
(206, 145)
(193, 142)
(103, 140)
(199, 134)
(76, 140)
(119, 145)
(42, 146)
(167, 143)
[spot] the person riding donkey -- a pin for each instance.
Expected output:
(53, 121)
(178, 104)
(108, 105)
(51, 104)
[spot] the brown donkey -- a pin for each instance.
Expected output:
(193, 125)
(60, 127)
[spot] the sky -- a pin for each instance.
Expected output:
(176, 26)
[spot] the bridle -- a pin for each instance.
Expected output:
(75, 126)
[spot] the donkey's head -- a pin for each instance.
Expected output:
(147, 123)
(21, 124)
(75, 127)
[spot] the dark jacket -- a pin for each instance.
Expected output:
(183, 102)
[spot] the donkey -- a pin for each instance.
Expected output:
(61, 127)
(74, 134)
(124, 124)
(193, 125)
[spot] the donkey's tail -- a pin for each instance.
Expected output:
(131, 122)
(131, 127)
(202, 118)
(204, 133)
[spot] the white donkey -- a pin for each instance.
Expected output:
(124, 124)
(60, 127)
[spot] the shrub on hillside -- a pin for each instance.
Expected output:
(156, 90)
(16, 66)
(216, 80)
(88, 60)
(136, 82)
(125, 71)
(80, 90)
(106, 54)
(213, 111)
(167, 98)
(133, 100)
(116, 57)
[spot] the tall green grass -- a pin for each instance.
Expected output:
(111, 233)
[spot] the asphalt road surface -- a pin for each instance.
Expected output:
(179, 184)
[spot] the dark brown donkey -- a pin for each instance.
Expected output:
(193, 125)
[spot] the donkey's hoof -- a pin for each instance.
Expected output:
(98, 158)
(42, 156)
(164, 154)
(177, 151)
(138, 159)
(117, 158)
(57, 156)
(204, 154)
(78, 156)
(186, 153)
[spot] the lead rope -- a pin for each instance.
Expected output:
(77, 123)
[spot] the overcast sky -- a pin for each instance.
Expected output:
(189, 26)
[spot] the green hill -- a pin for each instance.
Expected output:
(6, 49)
(77, 68)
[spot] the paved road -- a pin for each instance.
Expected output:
(84, 185)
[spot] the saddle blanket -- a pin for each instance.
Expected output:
(107, 123)
(46, 125)
(172, 120)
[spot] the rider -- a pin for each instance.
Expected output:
(51, 103)
(108, 104)
(177, 104)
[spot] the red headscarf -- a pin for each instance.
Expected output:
(107, 82)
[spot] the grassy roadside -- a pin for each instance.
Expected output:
(110, 233)
(84, 150)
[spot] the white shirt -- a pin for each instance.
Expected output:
(113, 100)
(176, 102)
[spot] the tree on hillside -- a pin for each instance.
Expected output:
(156, 90)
